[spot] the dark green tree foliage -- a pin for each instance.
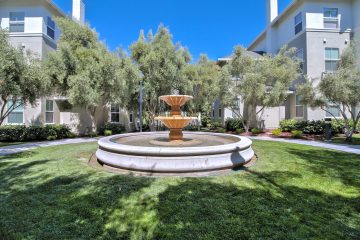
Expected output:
(339, 89)
(21, 77)
(84, 70)
(258, 83)
(162, 64)
(204, 77)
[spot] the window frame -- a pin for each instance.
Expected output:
(331, 19)
(116, 108)
(16, 111)
(220, 113)
(301, 59)
(331, 59)
(49, 111)
(17, 22)
(297, 24)
(52, 28)
(328, 115)
(297, 105)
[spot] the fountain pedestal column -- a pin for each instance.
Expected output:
(175, 134)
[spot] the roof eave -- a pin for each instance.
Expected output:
(287, 9)
(56, 8)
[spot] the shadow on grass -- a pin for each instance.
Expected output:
(332, 164)
(251, 205)
(197, 209)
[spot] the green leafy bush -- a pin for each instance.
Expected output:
(289, 125)
(51, 138)
(221, 130)
(115, 128)
(256, 131)
(240, 130)
(276, 132)
(107, 132)
(10, 133)
(296, 133)
(231, 124)
(312, 127)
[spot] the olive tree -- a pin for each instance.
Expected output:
(204, 77)
(21, 77)
(339, 89)
(162, 64)
(85, 71)
(258, 83)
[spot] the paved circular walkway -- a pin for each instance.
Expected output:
(339, 147)
(12, 149)
(7, 150)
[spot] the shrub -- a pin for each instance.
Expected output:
(276, 132)
(312, 127)
(10, 133)
(221, 130)
(240, 130)
(256, 131)
(116, 128)
(288, 125)
(205, 120)
(51, 138)
(231, 124)
(296, 133)
(107, 132)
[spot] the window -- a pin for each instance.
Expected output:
(131, 118)
(49, 111)
(17, 115)
(220, 112)
(298, 23)
(213, 113)
(115, 113)
(300, 57)
(331, 19)
(299, 107)
(50, 29)
(332, 57)
(333, 111)
(17, 22)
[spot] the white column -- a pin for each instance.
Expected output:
(78, 11)
(272, 10)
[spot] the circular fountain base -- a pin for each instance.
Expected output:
(209, 152)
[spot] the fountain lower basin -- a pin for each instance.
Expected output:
(210, 152)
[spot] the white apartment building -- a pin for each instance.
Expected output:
(320, 30)
(31, 26)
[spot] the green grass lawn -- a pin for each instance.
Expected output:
(293, 192)
(341, 139)
(5, 144)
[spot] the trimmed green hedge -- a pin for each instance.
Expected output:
(19, 133)
(311, 127)
(115, 128)
(231, 124)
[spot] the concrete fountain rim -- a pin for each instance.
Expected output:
(108, 144)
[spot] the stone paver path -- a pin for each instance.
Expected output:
(340, 147)
(7, 150)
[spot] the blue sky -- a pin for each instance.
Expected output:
(204, 26)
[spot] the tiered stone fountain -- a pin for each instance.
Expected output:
(176, 122)
(174, 152)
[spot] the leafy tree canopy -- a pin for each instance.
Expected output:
(21, 77)
(86, 72)
(339, 89)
